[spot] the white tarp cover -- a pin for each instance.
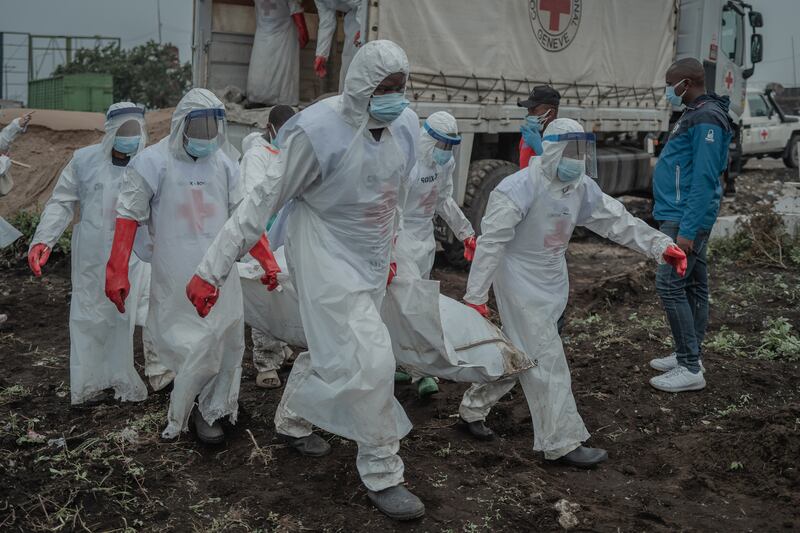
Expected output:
(623, 43)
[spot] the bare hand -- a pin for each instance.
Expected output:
(685, 244)
(25, 119)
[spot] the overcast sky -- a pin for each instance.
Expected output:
(135, 21)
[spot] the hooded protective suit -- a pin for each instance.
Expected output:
(327, 29)
(529, 220)
(101, 339)
(184, 202)
(274, 74)
(345, 185)
(428, 192)
(259, 154)
(8, 233)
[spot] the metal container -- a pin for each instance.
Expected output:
(72, 92)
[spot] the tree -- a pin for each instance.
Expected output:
(149, 74)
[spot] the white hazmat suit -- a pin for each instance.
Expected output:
(269, 353)
(274, 73)
(428, 192)
(529, 220)
(8, 233)
(184, 203)
(327, 30)
(345, 185)
(101, 339)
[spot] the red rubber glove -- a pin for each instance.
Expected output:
(319, 66)
(392, 273)
(525, 154)
(674, 256)
(263, 254)
(117, 284)
(470, 243)
(202, 294)
(38, 257)
(302, 32)
(482, 309)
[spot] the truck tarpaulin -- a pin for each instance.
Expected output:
(580, 43)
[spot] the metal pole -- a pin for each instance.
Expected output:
(794, 63)
(2, 67)
(158, 11)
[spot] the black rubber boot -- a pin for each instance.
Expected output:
(397, 503)
(478, 429)
(311, 446)
(583, 457)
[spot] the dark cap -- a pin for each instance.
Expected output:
(541, 94)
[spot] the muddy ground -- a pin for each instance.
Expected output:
(724, 459)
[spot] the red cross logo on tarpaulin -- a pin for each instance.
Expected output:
(196, 211)
(556, 8)
(728, 79)
(763, 134)
(555, 22)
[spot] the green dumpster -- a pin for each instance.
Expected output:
(72, 92)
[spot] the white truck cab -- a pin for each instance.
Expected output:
(767, 131)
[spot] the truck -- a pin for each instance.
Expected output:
(476, 59)
(767, 131)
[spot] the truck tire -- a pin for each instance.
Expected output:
(790, 155)
(483, 177)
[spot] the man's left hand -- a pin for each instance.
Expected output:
(685, 244)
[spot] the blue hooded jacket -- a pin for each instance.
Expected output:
(686, 184)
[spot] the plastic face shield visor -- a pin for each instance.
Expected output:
(129, 128)
(580, 146)
(443, 141)
(205, 124)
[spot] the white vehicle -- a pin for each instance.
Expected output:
(767, 131)
(475, 59)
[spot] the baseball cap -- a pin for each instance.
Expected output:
(541, 94)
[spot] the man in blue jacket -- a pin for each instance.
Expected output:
(687, 192)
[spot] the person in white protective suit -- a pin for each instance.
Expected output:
(327, 30)
(274, 73)
(260, 153)
(183, 188)
(8, 233)
(529, 220)
(428, 192)
(343, 162)
(100, 338)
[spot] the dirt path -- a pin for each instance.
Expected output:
(724, 459)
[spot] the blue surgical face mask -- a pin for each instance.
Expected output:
(441, 157)
(127, 145)
(672, 98)
(200, 147)
(387, 107)
(570, 169)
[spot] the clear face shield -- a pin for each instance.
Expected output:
(579, 156)
(445, 146)
(204, 131)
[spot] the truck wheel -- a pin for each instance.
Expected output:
(790, 154)
(483, 177)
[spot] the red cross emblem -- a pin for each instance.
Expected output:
(728, 80)
(764, 134)
(196, 211)
(556, 9)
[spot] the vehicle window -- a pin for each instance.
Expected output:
(732, 38)
(758, 107)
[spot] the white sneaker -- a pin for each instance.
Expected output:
(679, 379)
(665, 364)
